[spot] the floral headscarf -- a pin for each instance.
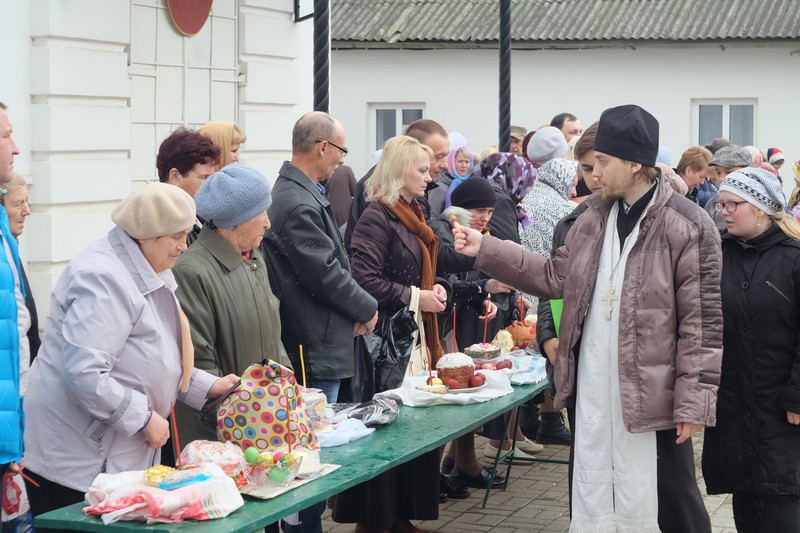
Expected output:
(758, 157)
(559, 174)
(515, 176)
(547, 203)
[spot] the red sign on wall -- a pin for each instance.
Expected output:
(189, 16)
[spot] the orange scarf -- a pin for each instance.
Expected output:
(429, 244)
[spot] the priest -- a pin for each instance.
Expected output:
(641, 334)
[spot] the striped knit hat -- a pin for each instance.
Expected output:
(758, 186)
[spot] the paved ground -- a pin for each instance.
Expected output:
(536, 500)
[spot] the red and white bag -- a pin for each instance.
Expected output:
(125, 496)
(15, 516)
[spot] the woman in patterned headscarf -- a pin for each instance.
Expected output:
(548, 202)
(514, 175)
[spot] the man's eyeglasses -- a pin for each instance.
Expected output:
(341, 149)
(729, 207)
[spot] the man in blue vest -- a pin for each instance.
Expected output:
(14, 316)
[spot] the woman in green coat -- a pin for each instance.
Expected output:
(223, 284)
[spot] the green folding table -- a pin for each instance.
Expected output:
(417, 430)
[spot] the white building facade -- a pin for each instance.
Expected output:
(750, 90)
(93, 86)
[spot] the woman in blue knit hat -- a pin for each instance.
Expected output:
(224, 287)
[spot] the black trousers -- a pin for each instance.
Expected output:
(680, 504)
(766, 513)
(49, 496)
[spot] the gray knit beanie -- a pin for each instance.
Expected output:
(758, 186)
(546, 144)
(233, 195)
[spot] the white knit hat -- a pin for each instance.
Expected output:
(758, 186)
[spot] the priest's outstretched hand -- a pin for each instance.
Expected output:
(467, 241)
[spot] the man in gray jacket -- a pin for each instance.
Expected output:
(322, 307)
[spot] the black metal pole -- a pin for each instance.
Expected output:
(505, 76)
(322, 54)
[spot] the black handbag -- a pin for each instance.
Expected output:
(396, 333)
(381, 357)
(362, 385)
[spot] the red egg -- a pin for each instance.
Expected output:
(452, 383)
(505, 363)
(476, 380)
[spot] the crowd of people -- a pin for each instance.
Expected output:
(653, 286)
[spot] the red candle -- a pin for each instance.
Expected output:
(430, 365)
(485, 320)
(177, 442)
(455, 343)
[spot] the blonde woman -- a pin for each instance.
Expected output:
(752, 452)
(393, 250)
(226, 136)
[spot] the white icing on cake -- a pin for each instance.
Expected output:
(482, 347)
(455, 360)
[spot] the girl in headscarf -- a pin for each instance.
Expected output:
(460, 162)
(758, 157)
(548, 202)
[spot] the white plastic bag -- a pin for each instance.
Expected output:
(124, 496)
(226, 455)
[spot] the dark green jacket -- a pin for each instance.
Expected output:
(234, 315)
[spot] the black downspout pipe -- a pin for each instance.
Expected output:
(322, 54)
(505, 76)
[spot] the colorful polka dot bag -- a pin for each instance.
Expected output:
(267, 411)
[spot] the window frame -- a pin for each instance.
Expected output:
(726, 104)
(398, 107)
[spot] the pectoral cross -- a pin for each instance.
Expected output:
(609, 296)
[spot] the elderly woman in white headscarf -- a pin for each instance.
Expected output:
(115, 354)
(547, 203)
